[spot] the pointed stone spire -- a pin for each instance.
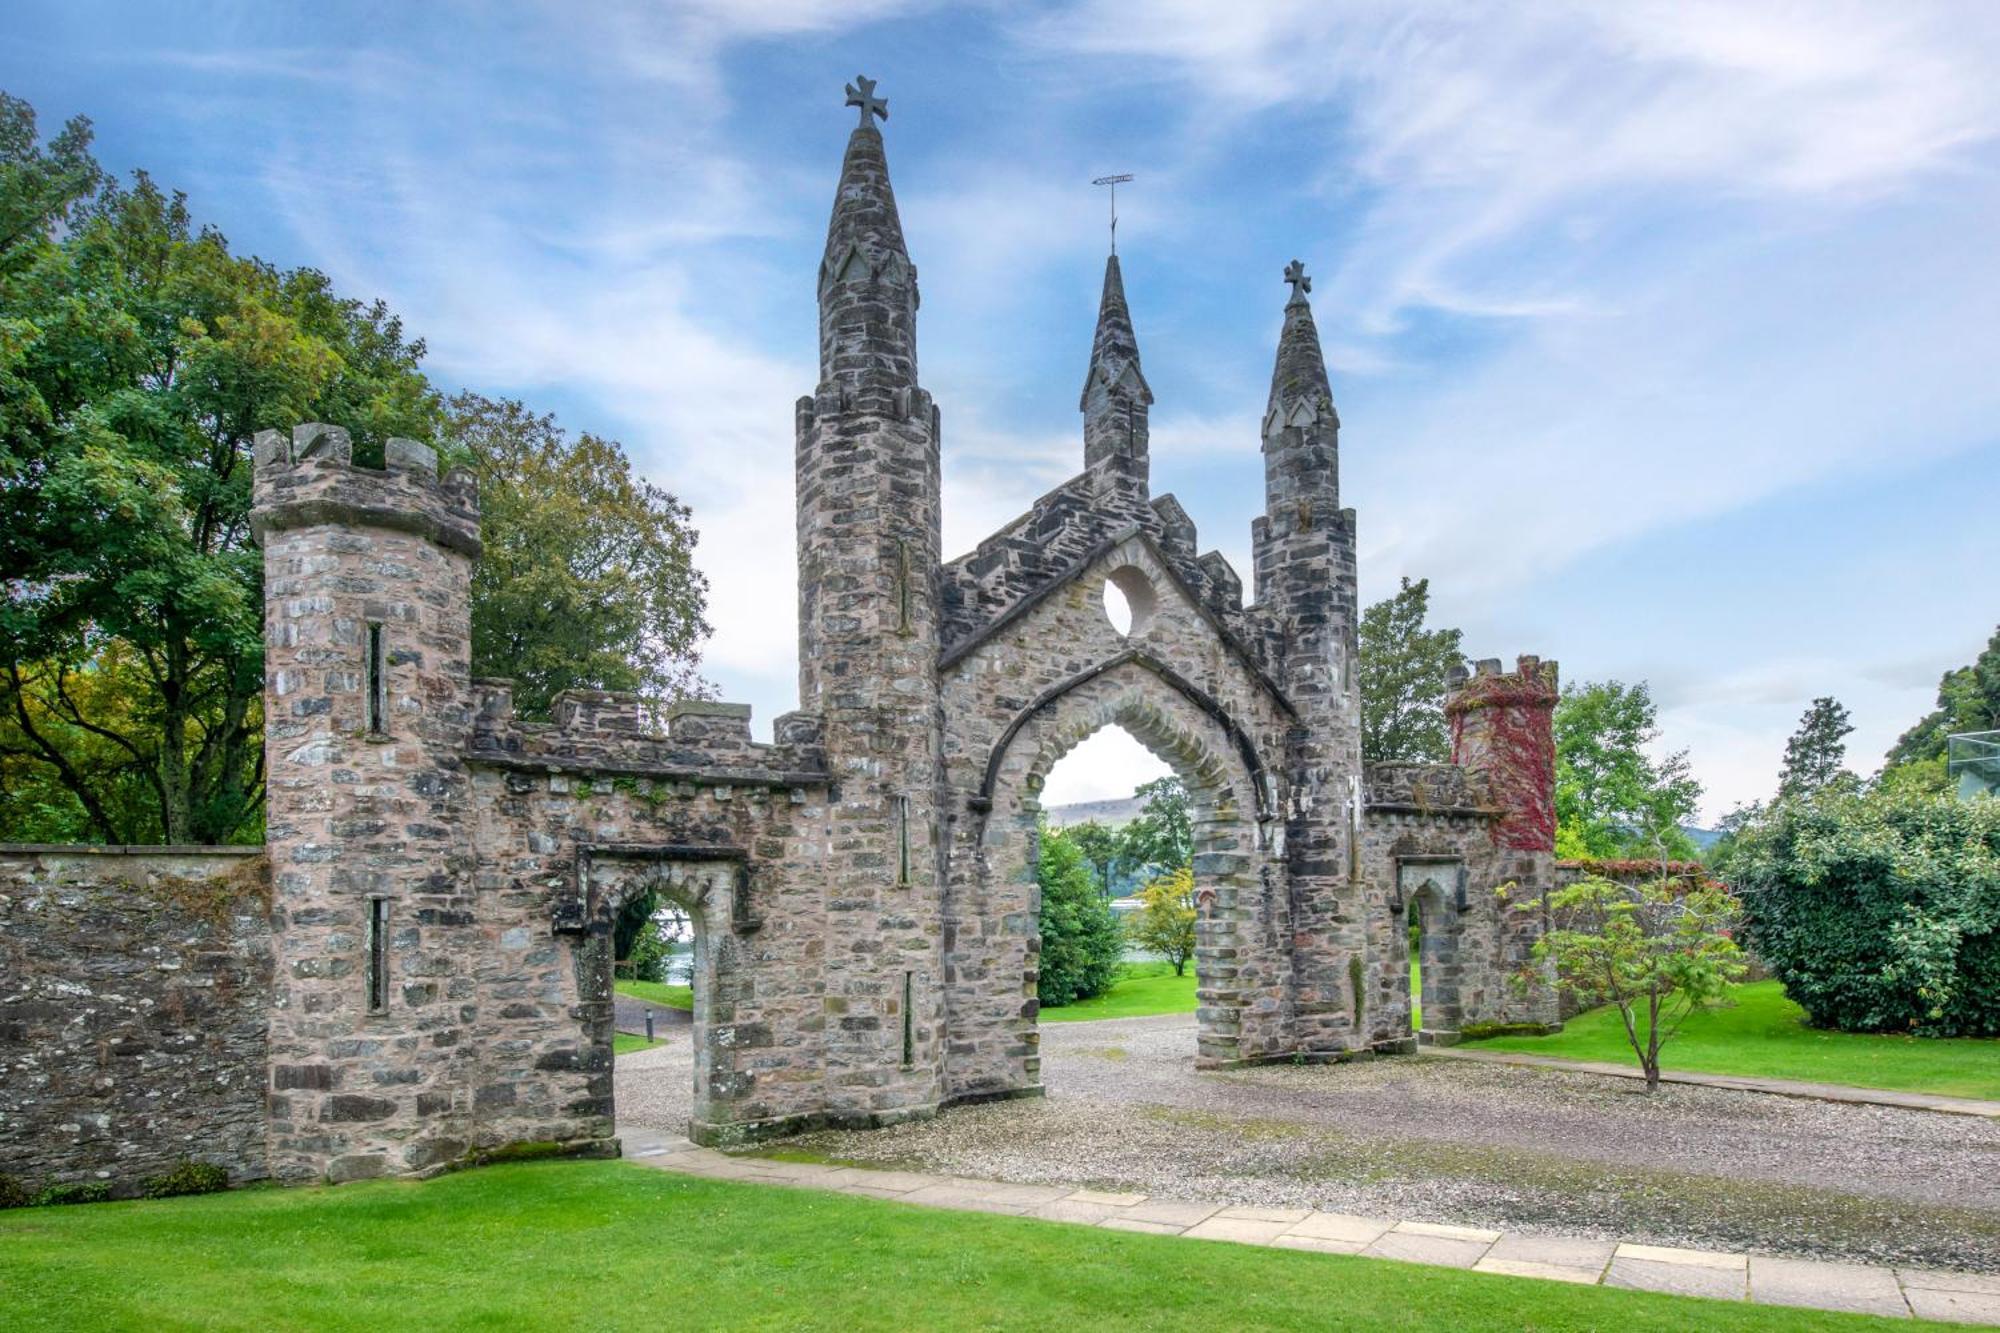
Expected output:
(1114, 351)
(1115, 392)
(1300, 395)
(867, 284)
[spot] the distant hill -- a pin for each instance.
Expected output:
(1112, 813)
(1703, 838)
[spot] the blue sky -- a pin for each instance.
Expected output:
(1663, 335)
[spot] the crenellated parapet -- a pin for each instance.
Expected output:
(611, 733)
(309, 479)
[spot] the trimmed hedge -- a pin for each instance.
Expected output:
(1880, 913)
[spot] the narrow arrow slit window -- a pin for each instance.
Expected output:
(902, 840)
(378, 955)
(909, 1020)
(378, 685)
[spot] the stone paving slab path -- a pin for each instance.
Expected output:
(1779, 1087)
(1858, 1288)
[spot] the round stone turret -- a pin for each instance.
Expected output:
(1503, 728)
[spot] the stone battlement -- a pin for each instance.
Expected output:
(309, 479)
(1484, 685)
(608, 731)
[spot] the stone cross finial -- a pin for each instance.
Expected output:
(861, 93)
(1295, 273)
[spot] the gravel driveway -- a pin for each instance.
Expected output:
(1448, 1141)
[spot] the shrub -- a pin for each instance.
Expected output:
(1880, 912)
(79, 1191)
(13, 1194)
(187, 1177)
(1080, 937)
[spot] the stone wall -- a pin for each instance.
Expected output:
(134, 988)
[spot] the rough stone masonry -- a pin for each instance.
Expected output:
(444, 876)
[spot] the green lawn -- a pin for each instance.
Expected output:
(654, 992)
(1763, 1034)
(1152, 988)
(624, 1043)
(1141, 989)
(1416, 995)
(612, 1245)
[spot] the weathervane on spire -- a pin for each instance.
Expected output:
(861, 93)
(1295, 273)
(1114, 182)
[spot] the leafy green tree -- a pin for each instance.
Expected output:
(1613, 798)
(588, 576)
(1103, 851)
(1816, 752)
(1403, 669)
(1080, 937)
(1968, 700)
(1658, 949)
(1161, 838)
(1165, 921)
(138, 358)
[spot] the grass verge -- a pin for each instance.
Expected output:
(654, 992)
(555, 1245)
(1762, 1034)
(624, 1043)
(1141, 989)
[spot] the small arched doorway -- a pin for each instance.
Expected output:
(707, 885)
(1433, 893)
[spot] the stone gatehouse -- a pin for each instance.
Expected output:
(432, 978)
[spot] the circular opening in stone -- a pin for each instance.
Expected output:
(1129, 600)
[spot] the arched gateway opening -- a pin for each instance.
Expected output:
(1223, 843)
(1113, 827)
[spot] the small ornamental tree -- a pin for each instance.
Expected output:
(1659, 949)
(1164, 923)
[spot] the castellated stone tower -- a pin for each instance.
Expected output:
(368, 655)
(1503, 736)
(868, 549)
(1503, 727)
(1303, 548)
